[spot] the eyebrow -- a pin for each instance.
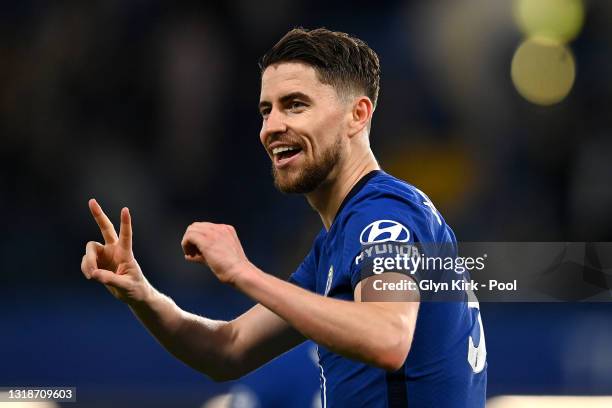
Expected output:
(286, 98)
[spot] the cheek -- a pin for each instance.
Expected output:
(262, 135)
(332, 129)
(322, 131)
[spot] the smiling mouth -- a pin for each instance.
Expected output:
(283, 155)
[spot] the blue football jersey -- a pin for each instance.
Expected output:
(446, 365)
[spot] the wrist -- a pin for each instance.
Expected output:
(146, 298)
(244, 275)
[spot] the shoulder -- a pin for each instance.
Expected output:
(388, 208)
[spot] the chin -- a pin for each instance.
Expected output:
(310, 176)
(292, 183)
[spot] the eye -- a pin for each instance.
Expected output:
(296, 105)
(264, 112)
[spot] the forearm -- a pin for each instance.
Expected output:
(201, 343)
(362, 331)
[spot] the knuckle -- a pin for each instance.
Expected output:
(92, 245)
(193, 227)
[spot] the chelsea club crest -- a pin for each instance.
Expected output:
(330, 278)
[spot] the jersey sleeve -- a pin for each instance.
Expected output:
(400, 233)
(387, 222)
(305, 274)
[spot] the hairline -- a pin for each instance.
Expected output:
(344, 91)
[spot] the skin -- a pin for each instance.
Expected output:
(297, 109)
(316, 122)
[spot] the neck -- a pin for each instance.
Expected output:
(328, 197)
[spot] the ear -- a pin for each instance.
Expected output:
(360, 115)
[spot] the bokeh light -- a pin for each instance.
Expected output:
(559, 20)
(543, 71)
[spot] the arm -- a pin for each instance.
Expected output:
(222, 350)
(377, 333)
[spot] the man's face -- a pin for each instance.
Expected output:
(303, 124)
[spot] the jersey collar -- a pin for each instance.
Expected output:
(356, 188)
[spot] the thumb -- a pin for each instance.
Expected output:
(108, 278)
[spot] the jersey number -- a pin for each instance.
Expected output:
(429, 204)
(477, 355)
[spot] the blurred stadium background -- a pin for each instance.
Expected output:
(499, 110)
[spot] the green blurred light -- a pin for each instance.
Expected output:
(543, 71)
(559, 20)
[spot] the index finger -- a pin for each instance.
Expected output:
(125, 230)
(106, 226)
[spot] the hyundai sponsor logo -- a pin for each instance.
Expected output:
(384, 230)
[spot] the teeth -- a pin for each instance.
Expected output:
(278, 150)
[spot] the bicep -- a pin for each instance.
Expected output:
(260, 335)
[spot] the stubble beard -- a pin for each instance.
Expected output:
(311, 176)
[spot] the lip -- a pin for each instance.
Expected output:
(274, 145)
(283, 163)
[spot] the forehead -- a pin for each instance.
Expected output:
(288, 77)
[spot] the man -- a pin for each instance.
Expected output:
(318, 93)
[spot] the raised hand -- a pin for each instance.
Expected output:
(217, 246)
(113, 263)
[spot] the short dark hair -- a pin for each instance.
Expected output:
(344, 62)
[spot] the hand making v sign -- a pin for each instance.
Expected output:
(113, 262)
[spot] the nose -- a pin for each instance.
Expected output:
(273, 124)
